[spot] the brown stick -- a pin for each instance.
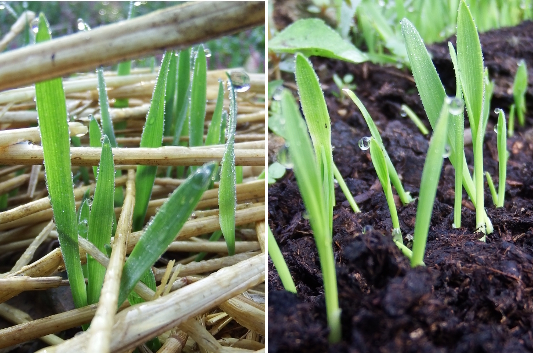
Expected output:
(179, 26)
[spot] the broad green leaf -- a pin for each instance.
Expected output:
(101, 219)
(319, 125)
(313, 37)
(152, 136)
(279, 263)
(395, 179)
(428, 187)
(52, 111)
(227, 195)
(275, 171)
(164, 227)
(470, 62)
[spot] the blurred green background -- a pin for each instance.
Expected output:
(245, 49)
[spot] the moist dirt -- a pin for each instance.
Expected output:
(471, 296)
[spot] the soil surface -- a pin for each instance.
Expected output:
(471, 296)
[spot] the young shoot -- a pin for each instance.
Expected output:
(499, 197)
(280, 264)
(314, 194)
(428, 186)
(406, 111)
(519, 91)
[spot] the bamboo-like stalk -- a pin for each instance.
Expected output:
(175, 343)
(246, 314)
(260, 230)
(141, 322)
(173, 27)
(37, 328)
(17, 316)
(242, 343)
(16, 28)
(103, 321)
(28, 254)
(13, 183)
(162, 156)
(194, 268)
(217, 247)
(33, 134)
(25, 283)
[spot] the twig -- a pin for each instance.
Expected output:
(28, 254)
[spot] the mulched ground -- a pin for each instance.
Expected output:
(471, 296)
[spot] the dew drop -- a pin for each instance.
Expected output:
(497, 111)
(207, 53)
(102, 12)
(240, 80)
(81, 24)
(496, 129)
(283, 157)
(367, 228)
(364, 143)
(2, 5)
(35, 25)
(137, 3)
(403, 113)
(447, 151)
(277, 93)
(456, 105)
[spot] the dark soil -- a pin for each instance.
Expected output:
(471, 296)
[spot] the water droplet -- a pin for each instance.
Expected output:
(496, 129)
(81, 24)
(2, 5)
(497, 111)
(456, 105)
(364, 143)
(35, 25)
(367, 228)
(283, 157)
(102, 12)
(277, 93)
(447, 151)
(137, 3)
(207, 53)
(403, 113)
(240, 80)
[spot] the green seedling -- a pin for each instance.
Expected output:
(428, 186)
(345, 190)
(164, 227)
(152, 136)
(314, 194)
(198, 99)
(406, 111)
(473, 84)
(511, 120)
(499, 197)
(227, 199)
(345, 82)
(51, 107)
(279, 263)
(275, 171)
(395, 179)
(519, 91)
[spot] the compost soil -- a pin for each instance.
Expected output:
(471, 296)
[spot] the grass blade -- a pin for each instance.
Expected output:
(502, 157)
(227, 199)
(395, 179)
(319, 125)
(95, 138)
(309, 181)
(213, 132)
(428, 187)
(279, 263)
(152, 136)
(519, 91)
(198, 99)
(52, 110)
(182, 94)
(164, 228)
(101, 219)
(170, 97)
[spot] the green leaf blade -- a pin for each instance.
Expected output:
(52, 111)
(198, 99)
(101, 219)
(314, 37)
(152, 136)
(164, 228)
